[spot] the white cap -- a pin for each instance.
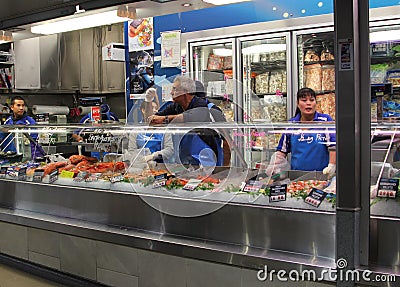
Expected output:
(150, 95)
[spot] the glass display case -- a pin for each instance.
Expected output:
(115, 157)
(264, 78)
(109, 169)
(316, 67)
(265, 60)
(213, 64)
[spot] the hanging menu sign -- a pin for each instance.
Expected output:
(315, 197)
(277, 193)
(388, 187)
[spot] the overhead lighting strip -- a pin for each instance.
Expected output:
(78, 22)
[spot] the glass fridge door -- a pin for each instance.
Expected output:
(212, 64)
(316, 67)
(385, 68)
(265, 61)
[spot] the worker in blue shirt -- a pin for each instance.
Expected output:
(310, 150)
(19, 117)
(201, 146)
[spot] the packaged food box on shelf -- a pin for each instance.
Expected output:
(328, 78)
(215, 62)
(326, 104)
(270, 82)
(378, 73)
(326, 56)
(393, 76)
(381, 49)
(313, 77)
(262, 83)
(277, 81)
(311, 56)
(274, 107)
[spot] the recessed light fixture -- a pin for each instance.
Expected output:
(320, 4)
(303, 11)
(186, 4)
(274, 8)
(285, 15)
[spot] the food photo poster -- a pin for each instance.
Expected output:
(140, 34)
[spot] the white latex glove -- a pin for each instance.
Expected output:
(276, 163)
(148, 158)
(330, 170)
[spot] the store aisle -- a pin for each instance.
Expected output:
(11, 277)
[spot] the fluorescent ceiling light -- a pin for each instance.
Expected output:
(384, 36)
(223, 52)
(223, 2)
(264, 48)
(77, 22)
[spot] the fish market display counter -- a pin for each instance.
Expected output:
(231, 215)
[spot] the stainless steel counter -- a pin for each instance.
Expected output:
(235, 233)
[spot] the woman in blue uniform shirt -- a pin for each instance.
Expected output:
(310, 151)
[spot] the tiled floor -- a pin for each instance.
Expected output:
(10, 277)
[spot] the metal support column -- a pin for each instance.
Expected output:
(353, 132)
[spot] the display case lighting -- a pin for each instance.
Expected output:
(384, 36)
(264, 48)
(223, 52)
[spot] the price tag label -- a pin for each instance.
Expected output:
(81, 176)
(38, 175)
(160, 180)
(92, 178)
(3, 171)
(67, 174)
(278, 193)
(116, 178)
(315, 197)
(192, 184)
(252, 186)
(51, 177)
(388, 187)
(22, 173)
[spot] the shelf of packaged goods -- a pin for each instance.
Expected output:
(265, 66)
(319, 62)
(383, 59)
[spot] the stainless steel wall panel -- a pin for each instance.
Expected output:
(158, 269)
(385, 242)
(78, 256)
(70, 61)
(49, 62)
(117, 258)
(14, 240)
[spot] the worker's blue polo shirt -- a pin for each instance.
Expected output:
(309, 148)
